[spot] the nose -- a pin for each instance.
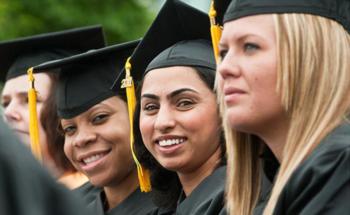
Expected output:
(11, 113)
(165, 121)
(84, 137)
(229, 67)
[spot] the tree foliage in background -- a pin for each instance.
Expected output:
(122, 20)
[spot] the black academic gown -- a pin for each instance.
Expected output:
(26, 188)
(270, 168)
(207, 197)
(87, 192)
(321, 184)
(137, 203)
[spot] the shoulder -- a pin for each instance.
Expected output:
(87, 192)
(322, 182)
(208, 197)
(137, 203)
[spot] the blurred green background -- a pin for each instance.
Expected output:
(122, 20)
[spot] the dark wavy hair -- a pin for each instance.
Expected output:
(166, 186)
(51, 122)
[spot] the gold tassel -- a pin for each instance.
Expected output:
(33, 120)
(215, 31)
(143, 174)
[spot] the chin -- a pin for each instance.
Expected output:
(97, 181)
(171, 165)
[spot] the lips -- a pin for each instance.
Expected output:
(231, 90)
(231, 94)
(169, 145)
(170, 140)
(21, 131)
(91, 160)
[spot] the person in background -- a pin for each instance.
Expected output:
(19, 55)
(95, 124)
(285, 81)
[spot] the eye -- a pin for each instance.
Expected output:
(69, 130)
(150, 108)
(223, 53)
(5, 104)
(250, 48)
(25, 99)
(185, 104)
(100, 118)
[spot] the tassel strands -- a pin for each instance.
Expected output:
(215, 31)
(33, 119)
(143, 174)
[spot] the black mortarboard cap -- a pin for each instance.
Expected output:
(338, 10)
(220, 8)
(179, 35)
(20, 54)
(85, 79)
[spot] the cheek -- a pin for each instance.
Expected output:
(219, 82)
(146, 125)
(68, 149)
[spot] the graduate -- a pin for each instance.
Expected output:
(269, 163)
(284, 75)
(26, 188)
(17, 56)
(176, 115)
(95, 124)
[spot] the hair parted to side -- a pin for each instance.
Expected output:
(313, 78)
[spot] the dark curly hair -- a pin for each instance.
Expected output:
(166, 186)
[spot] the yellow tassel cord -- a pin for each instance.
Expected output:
(143, 174)
(33, 120)
(215, 31)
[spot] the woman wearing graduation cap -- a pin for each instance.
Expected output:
(177, 125)
(95, 124)
(285, 80)
(17, 56)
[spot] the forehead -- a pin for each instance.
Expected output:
(21, 84)
(259, 25)
(172, 78)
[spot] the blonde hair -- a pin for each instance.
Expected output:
(313, 79)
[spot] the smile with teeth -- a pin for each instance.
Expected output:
(171, 142)
(93, 158)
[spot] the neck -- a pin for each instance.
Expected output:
(275, 137)
(118, 192)
(190, 180)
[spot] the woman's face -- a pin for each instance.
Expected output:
(179, 120)
(14, 100)
(97, 142)
(248, 73)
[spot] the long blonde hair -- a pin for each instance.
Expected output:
(313, 79)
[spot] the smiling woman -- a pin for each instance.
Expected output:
(176, 115)
(95, 124)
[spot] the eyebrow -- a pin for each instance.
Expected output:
(22, 94)
(171, 95)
